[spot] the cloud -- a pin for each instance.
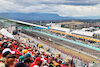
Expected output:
(73, 2)
(6, 6)
(60, 7)
(64, 2)
(69, 10)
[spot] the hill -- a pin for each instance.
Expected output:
(33, 16)
(42, 16)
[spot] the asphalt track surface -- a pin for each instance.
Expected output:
(59, 41)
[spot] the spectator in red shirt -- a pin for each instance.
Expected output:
(37, 62)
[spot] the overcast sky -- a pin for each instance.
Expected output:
(60, 7)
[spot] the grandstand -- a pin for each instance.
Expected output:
(57, 30)
(83, 33)
(14, 46)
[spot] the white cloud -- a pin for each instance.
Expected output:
(69, 10)
(60, 7)
(6, 6)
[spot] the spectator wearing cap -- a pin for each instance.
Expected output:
(37, 62)
(10, 60)
(28, 55)
(27, 62)
(17, 53)
(10, 48)
(24, 51)
(21, 58)
(21, 62)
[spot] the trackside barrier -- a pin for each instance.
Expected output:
(85, 45)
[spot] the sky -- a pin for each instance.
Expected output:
(63, 8)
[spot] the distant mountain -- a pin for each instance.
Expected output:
(34, 16)
(41, 16)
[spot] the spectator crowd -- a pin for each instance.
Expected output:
(14, 53)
